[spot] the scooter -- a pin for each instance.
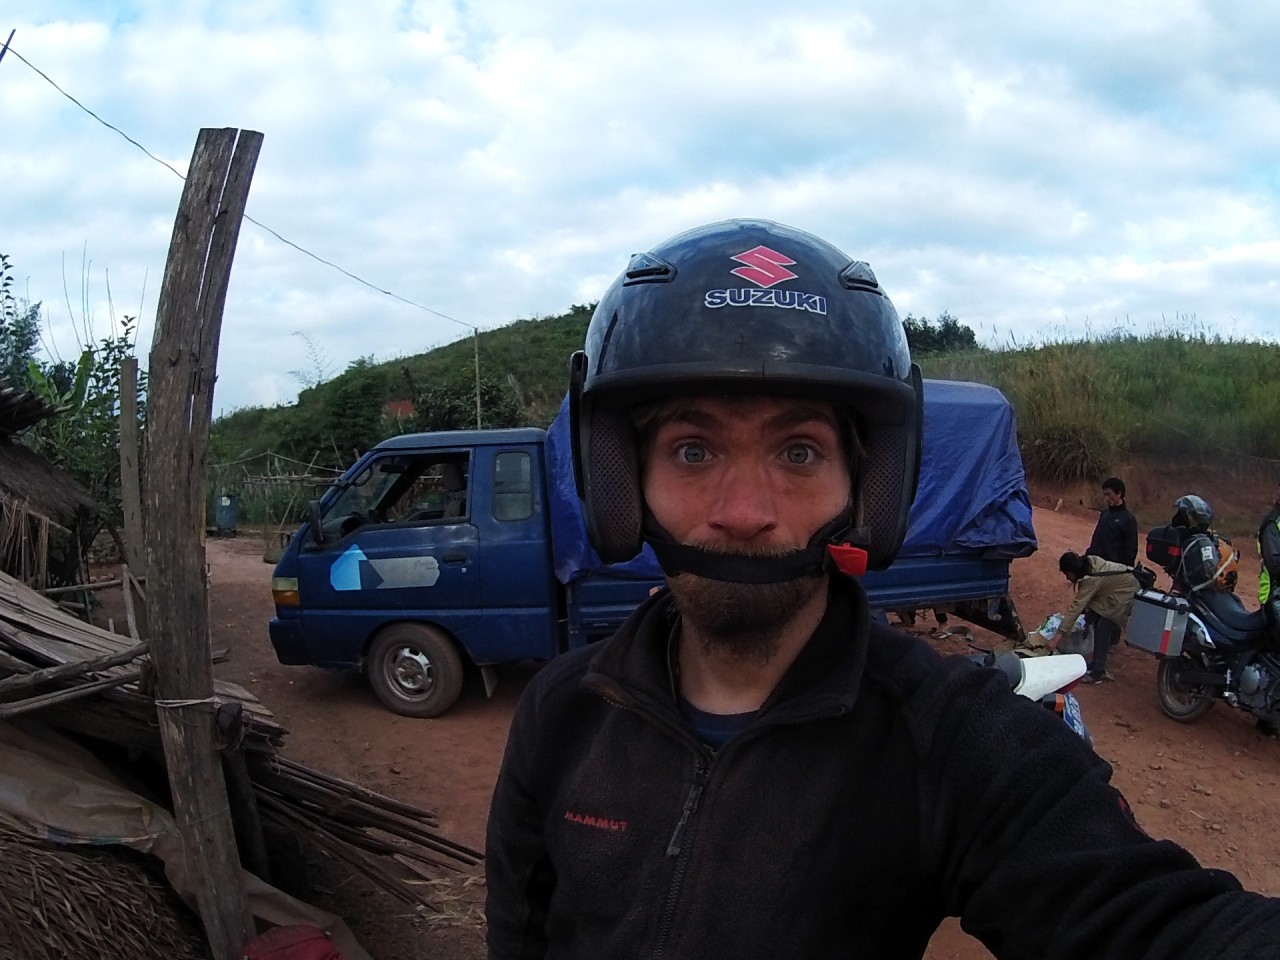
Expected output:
(1044, 680)
(1210, 647)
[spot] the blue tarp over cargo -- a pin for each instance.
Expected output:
(972, 497)
(973, 491)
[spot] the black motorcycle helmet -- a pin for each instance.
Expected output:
(1192, 512)
(746, 306)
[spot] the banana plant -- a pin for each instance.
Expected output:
(70, 400)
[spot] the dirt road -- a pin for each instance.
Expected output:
(1210, 786)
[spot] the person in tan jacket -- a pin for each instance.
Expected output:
(1105, 589)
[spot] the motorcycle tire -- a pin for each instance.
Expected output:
(1186, 704)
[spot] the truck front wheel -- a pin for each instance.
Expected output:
(415, 670)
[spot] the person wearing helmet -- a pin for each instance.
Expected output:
(1208, 560)
(750, 766)
(1192, 513)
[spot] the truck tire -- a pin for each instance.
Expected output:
(415, 670)
(1180, 702)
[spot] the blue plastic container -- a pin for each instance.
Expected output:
(227, 513)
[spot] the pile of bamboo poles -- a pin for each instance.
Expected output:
(82, 679)
(393, 844)
(51, 659)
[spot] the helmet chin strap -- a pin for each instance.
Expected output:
(836, 546)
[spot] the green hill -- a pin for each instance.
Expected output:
(1193, 402)
(524, 365)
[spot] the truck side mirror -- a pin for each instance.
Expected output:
(315, 526)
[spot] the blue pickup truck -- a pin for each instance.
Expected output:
(439, 553)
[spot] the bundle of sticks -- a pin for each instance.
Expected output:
(82, 679)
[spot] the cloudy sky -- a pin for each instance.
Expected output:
(1037, 170)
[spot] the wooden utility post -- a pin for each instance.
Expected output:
(183, 359)
(130, 477)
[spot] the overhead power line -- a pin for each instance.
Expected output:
(285, 240)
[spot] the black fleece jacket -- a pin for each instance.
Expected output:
(881, 788)
(1115, 537)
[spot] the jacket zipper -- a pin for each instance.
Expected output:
(676, 849)
(689, 809)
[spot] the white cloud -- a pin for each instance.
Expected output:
(1027, 169)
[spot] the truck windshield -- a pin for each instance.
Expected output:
(365, 490)
(403, 488)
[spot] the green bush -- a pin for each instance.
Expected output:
(1175, 396)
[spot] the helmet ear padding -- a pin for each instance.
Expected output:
(612, 499)
(613, 487)
(606, 468)
(890, 471)
(880, 487)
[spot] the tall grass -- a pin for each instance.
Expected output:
(1178, 396)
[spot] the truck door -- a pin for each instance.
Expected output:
(519, 589)
(399, 543)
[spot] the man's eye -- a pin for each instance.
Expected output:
(799, 453)
(692, 453)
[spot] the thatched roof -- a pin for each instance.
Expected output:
(61, 901)
(20, 409)
(26, 477)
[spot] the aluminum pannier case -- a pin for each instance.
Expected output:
(1158, 622)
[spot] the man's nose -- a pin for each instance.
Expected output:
(744, 506)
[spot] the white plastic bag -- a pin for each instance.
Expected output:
(1050, 626)
(1078, 640)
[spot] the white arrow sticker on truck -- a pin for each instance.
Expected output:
(354, 571)
(406, 572)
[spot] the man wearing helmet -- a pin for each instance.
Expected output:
(1208, 559)
(751, 767)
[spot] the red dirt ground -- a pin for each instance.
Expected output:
(1210, 786)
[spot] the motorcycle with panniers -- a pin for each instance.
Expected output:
(1211, 647)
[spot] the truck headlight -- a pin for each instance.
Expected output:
(284, 591)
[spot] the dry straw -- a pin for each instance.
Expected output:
(58, 902)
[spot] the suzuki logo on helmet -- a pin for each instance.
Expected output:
(763, 267)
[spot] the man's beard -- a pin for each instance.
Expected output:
(741, 621)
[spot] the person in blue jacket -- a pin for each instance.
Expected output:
(751, 767)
